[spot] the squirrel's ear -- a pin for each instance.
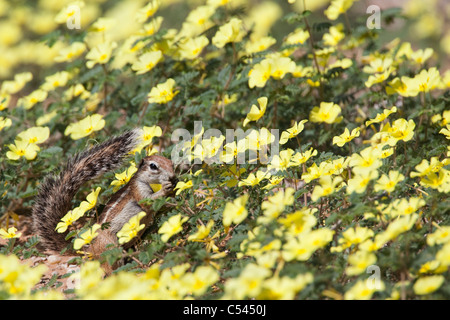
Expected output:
(141, 163)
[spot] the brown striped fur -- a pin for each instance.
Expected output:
(55, 194)
(125, 203)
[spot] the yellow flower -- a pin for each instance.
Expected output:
(367, 160)
(152, 27)
(432, 266)
(148, 133)
(77, 90)
(379, 77)
(235, 211)
(212, 146)
(147, 62)
(427, 285)
(275, 66)
(401, 130)
(198, 153)
(163, 92)
(284, 288)
(71, 52)
(85, 127)
(200, 280)
(254, 179)
(172, 226)
(11, 233)
(274, 205)
(202, 231)
(362, 290)
(300, 221)
(395, 228)
(404, 206)
(46, 118)
(34, 97)
(388, 183)
(102, 25)
(298, 36)
(100, 54)
(292, 131)
(425, 81)
(259, 74)
(5, 123)
(443, 255)
(256, 113)
(386, 153)
(148, 11)
(352, 236)
(91, 200)
(183, 186)
(327, 112)
(424, 168)
(302, 246)
(34, 135)
(229, 32)
(131, 228)
(22, 148)
(69, 218)
(68, 11)
(346, 137)
(55, 80)
(257, 139)
(301, 157)
(192, 47)
(91, 274)
(249, 283)
(280, 66)
(197, 21)
(282, 161)
(440, 236)
(380, 117)
(378, 65)
(327, 186)
(232, 150)
(314, 172)
(86, 237)
(258, 44)
(446, 131)
(5, 98)
(14, 86)
(123, 177)
(359, 261)
(17, 277)
(397, 86)
(443, 119)
(420, 56)
(334, 35)
(337, 7)
(359, 182)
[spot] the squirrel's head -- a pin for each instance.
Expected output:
(157, 169)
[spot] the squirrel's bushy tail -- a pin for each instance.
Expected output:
(55, 194)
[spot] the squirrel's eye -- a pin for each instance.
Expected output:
(153, 166)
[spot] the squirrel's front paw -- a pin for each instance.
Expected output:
(167, 187)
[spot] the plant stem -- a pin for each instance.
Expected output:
(105, 89)
(311, 42)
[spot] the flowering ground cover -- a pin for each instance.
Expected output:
(312, 149)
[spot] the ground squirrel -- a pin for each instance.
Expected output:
(55, 194)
